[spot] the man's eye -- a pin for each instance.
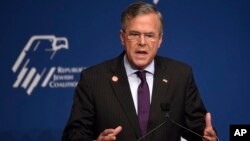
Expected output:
(134, 34)
(149, 35)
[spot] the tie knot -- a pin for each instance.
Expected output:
(141, 75)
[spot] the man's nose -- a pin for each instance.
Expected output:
(142, 40)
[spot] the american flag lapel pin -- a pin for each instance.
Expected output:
(165, 80)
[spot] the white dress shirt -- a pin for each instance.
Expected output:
(134, 80)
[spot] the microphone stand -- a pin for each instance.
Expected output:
(151, 131)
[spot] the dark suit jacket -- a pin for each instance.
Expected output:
(101, 103)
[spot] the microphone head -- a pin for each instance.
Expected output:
(167, 115)
(165, 107)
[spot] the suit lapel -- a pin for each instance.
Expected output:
(123, 93)
(159, 94)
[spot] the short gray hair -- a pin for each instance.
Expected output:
(139, 8)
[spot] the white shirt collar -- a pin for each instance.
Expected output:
(130, 70)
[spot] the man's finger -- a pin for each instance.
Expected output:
(107, 131)
(206, 138)
(117, 130)
(112, 131)
(209, 133)
(208, 120)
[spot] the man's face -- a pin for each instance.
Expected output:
(142, 39)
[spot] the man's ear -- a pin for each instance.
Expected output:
(160, 40)
(121, 36)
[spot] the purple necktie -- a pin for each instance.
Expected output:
(143, 102)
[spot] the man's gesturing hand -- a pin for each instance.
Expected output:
(209, 133)
(109, 134)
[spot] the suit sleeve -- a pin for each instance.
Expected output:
(80, 124)
(194, 109)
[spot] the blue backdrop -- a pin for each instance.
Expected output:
(45, 44)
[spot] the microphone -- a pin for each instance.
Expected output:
(165, 107)
(151, 131)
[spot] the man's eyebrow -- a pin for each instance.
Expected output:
(133, 31)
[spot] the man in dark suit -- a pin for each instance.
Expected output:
(124, 98)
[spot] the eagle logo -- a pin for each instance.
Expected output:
(43, 48)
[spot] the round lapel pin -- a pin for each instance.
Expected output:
(114, 78)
